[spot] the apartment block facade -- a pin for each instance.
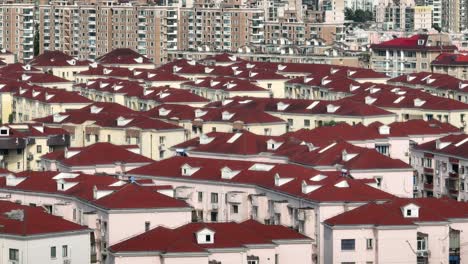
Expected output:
(89, 29)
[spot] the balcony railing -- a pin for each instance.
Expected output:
(58, 140)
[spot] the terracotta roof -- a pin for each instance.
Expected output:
(123, 56)
(416, 42)
(92, 156)
(34, 221)
(329, 189)
(119, 194)
(105, 72)
(388, 96)
(452, 145)
(227, 235)
(390, 213)
(225, 84)
(57, 59)
(342, 107)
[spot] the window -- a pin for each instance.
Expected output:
(208, 238)
(234, 209)
(383, 149)
(200, 197)
(378, 181)
(147, 225)
(369, 243)
(422, 244)
(162, 139)
(65, 251)
(253, 260)
(53, 252)
(306, 123)
(14, 254)
(4, 132)
(214, 198)
(108, 138)
(408, 212)
(39, 149)
(348, 244)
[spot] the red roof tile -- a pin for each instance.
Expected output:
(227, 235)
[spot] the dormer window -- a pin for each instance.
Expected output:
(4, 131)
(420, 42)
(205, 236)
(410, 211)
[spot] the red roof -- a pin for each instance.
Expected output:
(451, 59)
(123, 56)
(416, 42)
(121, 195)
(390, 213)
(34, 221)
(342, 107)
(227, 235)
(57, 59)
(210, 170)
(92, 156)
(452, 145)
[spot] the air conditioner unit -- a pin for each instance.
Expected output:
(161, 146)
(67, 261)
(30, 156)
(13, 262)
(214, 206)
(422, 253)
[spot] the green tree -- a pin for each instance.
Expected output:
(349, 14)
(36, 40)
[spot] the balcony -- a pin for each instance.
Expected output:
(58, 140)
(453, 175)
(13, 143)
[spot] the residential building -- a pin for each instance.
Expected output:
(31, 235)
(408, 55)
(136, 95)
(119, 159)
(441, 167)
(117, 124)
(103, 203)
(22, 145)
(402, 230)
(222, 119)
(249, 242)
(216, 89)
(281, 194)
(31, 102)
(302, 113)
(17, 28)
(438, 84)
(410, 103)
(59, 64)
(454, 64)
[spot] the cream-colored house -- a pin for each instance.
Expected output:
(34, 102)
(120, 126)
(221, 88)
(409, 104)
(203, 120)
(59, 64)
(22, 145)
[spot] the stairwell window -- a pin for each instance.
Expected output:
(53, 252)
(65, 251)
(369, 243)
(14, 254)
